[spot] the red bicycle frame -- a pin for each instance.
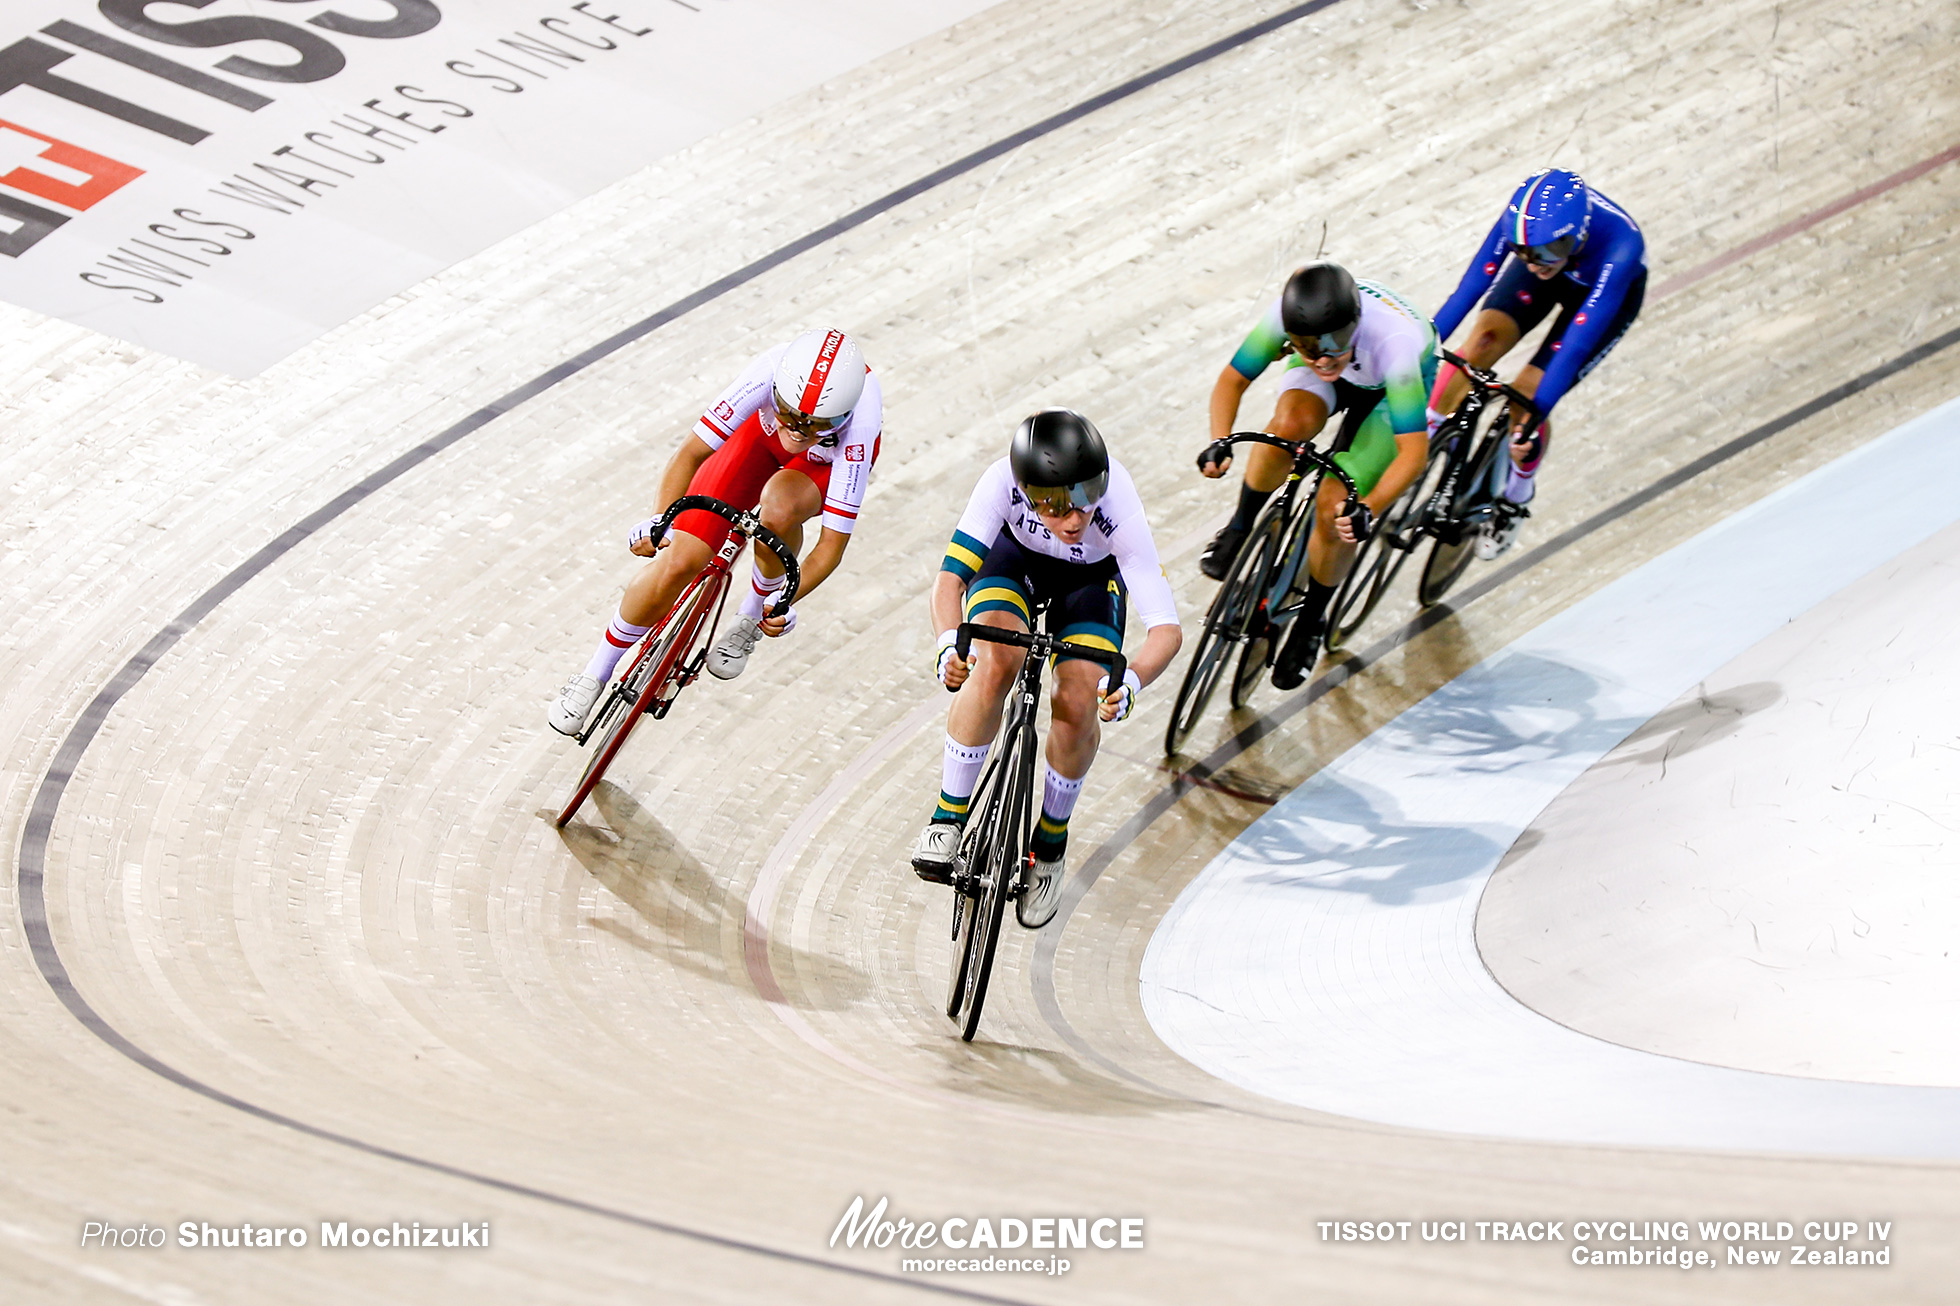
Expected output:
(671, 655)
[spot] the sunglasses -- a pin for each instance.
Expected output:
(803, 425)
(1546, 255)
(1329, 344)
(1061, 500)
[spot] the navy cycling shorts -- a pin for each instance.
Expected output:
(1086, 600)
(1526, 300)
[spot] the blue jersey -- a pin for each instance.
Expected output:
(1612, 259)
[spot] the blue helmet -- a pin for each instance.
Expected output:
(1549, 216)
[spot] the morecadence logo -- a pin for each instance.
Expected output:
(981, 1237)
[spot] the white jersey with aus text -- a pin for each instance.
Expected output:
(850, 450)
(1117, 529)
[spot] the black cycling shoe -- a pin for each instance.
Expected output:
(1219, 554)
(1297, 655)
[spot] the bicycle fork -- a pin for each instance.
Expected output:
(1447, 523)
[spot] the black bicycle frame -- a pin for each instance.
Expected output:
(1306, 459)
(1439, 517)
(1025, 696)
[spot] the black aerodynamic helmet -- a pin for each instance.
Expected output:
(1322, 306)
(1059, 461)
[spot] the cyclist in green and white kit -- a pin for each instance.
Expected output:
(1356, 348)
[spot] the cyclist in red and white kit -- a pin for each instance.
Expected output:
(796, 436)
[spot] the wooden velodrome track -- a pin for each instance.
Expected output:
(330, 960)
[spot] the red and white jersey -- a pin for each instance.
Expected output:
(850, 449)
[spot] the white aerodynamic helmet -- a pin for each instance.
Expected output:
(821, 375)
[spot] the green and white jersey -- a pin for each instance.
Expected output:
(1394, 350)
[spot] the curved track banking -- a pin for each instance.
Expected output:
(32, 860)
(291, 849)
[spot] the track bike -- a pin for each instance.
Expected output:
(996, 856)
(672, 654)
(1262, 592)
(1451, 503)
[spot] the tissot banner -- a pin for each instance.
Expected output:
(225, 180)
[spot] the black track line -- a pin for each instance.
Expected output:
(32, 863)
(1043, 978)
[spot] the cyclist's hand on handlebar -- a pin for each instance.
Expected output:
(948, 667)
(640, 539)
(1216, 459)
(1524, 415)
(1356, 522)
(1117, 705)
(1528, 433)
(777, 626)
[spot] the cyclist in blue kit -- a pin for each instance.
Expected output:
(1559, 244)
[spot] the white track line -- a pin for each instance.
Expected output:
(1328, 957)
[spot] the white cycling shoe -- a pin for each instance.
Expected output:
(1499, 533)
(574, 704)
(1042, 893)
(932, 856)
(729, 657)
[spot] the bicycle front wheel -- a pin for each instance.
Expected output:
(650, 677)
(1262, 633)
(1237, 602)
(974, 862)
(1456, 534)
(997, 848)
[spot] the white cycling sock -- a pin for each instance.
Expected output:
(1058, 795)
(761, 590)
(621, 635)
(958, 774)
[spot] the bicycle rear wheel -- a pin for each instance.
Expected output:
(997, 847)
(652, 670)
(1231, 609)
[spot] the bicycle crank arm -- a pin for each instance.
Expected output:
(616, 700)
(1400, 543)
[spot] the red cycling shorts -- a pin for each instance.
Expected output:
(736, 473)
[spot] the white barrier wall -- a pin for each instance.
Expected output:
(225, 180)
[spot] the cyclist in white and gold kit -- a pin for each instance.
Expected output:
(1057, 520)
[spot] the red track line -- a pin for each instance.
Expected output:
(1789, 229)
